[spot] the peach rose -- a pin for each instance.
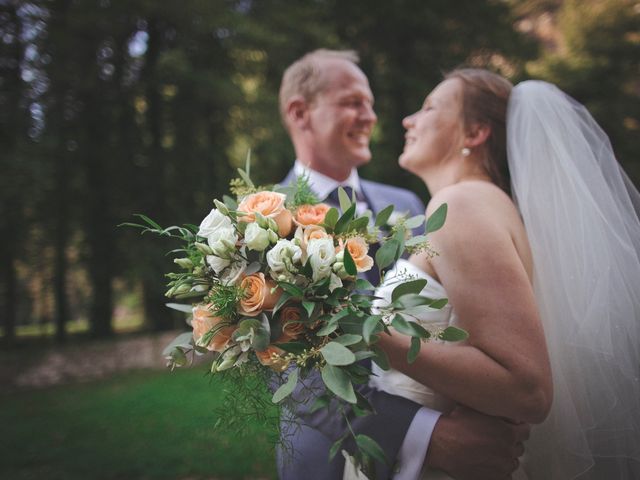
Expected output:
(311, 214)
(258, 296)
(358, 249)
(291, 326)
(305, 234)
(203, 321)
(270, 205)
(272, 358)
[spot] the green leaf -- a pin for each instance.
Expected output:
(331, 218)
(437, 218)
(417, 240)
(348, 339)
(292, 347)
(182, 340)
(359, 224)
(337, 354)
(343, 221)
(439, 303)
(414, 350)
(230, 202)
(335, 448)
(329, 328)
(453, 334)
(383, 216)
(363, 355)
(281, 301)
(363, 284)
(349, 264)
(414, 222)
(408, 328)
(380, 358)
(345, 201)
(386, 254)
(369, 446)
(291, 289)
(246, 178)
(338, 382)
(413, 286)
(371, 325)
(285, 390)
(309, 307)
(409, 300)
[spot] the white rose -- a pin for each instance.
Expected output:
(233, 273)
(257, 238)
(321, 254)
(282, 259)
(218, 264)
(223, 241)
(212, 222)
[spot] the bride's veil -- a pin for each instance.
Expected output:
(581, 215)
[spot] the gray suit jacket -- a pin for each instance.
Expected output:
(307, 437)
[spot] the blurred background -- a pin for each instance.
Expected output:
(110, 108)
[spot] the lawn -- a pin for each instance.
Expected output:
(140, 425)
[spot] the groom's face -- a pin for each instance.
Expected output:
(341, 119)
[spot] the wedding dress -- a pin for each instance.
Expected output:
(397, 383)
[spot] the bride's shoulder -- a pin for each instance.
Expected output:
(470, 198)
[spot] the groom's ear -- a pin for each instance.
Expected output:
(298, 112)
(477, 135)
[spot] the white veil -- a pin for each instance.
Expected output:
(581, 215)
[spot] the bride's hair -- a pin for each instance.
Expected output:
(484, 100)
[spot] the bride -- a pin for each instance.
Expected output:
(544, 246)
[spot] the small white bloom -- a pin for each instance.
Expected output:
(257, 238)
(218, 264)
(232, 274)
(321, 254)
(283, 258)
(223, 241)
(335, 282)
(212, 222)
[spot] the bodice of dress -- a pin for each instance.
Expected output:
(395, 382)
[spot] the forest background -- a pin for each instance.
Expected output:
(110, 108)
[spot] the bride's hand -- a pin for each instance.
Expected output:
(470, 445)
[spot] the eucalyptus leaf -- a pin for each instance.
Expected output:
(252, 268)
(380, 358)
(409, 300)
(338, 382)
(413, 286)
(383, 216)
(364, 284)
(182, 340)
(453, 334)
(359, 224)
(348, 339)
(329, 328)
(335, 448)
(386, 254)
(287, 388)
(370, 326)
(336, 354)
(437, 218)
(414, 222)
(439, 303)
(246, 178)
(408, 328)
(371, 448)
(414, 350)
(292, 347)
(417, 240)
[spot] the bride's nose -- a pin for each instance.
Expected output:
(407, 122)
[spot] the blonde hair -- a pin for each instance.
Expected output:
(485, 96)
(305, 76)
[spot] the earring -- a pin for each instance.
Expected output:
(465, 152)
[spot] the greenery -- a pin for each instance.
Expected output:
(145, 424)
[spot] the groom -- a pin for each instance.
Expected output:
(327, 107)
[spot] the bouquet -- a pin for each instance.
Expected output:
(270, 279)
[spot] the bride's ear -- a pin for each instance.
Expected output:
(297, 111)
(477, 135)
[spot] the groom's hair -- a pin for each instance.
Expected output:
(485, 96)
(305, 76)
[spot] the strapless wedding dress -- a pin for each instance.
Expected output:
(397, 383)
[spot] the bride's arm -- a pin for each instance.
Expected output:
(503, 369)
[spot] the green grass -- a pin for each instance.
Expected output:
(141, 425)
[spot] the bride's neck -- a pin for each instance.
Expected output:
(442, 176)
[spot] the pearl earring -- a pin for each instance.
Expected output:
(465, 152)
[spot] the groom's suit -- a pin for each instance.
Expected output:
(309, 436)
